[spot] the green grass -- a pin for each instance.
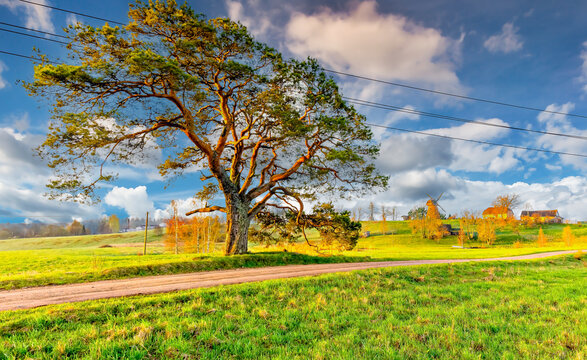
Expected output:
(62, 260)
(496, 310)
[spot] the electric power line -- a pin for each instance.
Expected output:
(452, 118)
(495, 102)
(406, 130)
(26, 28)
(26, 57)
(72, 12)
(34, 36)
(489, 101)
(478, 141)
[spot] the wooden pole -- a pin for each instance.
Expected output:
(146, 228)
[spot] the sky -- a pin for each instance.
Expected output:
(529, 53)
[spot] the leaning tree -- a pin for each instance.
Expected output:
(268, 131)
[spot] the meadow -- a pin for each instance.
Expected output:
(496, 310)
(62, 260)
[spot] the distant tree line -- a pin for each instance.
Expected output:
(104, 225)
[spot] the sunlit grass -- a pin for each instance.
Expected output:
(498, 310)
(61, 260)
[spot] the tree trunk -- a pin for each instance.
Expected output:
(237, 226)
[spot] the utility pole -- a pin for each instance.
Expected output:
(146, 228)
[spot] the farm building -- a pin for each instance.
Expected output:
(543, 216)
(498, 212)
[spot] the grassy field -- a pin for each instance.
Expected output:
(495, 310)
(61, 260)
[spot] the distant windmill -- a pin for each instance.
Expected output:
(433, 207)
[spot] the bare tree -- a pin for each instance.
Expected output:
(508, 201)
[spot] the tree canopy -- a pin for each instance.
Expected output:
(268, 131)
(507, 201)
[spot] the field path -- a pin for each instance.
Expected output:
(45, 295)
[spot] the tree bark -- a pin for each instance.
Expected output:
(237, 225)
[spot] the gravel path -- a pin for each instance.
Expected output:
(45, 295)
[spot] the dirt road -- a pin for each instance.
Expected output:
(46, 295)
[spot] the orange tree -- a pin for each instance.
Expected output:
(265, 129)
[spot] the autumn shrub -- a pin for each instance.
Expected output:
(541, 238)
(568, 237)
(486, 231)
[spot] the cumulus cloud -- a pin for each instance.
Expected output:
(561, 124)
(182, 205)
(407, 113)
(583, 76)
(402, 152)
(507, 41)
(567, 195)
(72, 19)
(36, 17)
(135, 201)
(259, 25)
(388, 46)
(3, 82)
(412, 152)
(414, 185)
(23, 177)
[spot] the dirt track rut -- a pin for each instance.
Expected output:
(45, 295)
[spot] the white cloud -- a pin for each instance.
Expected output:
(553, 167)
(135, 201)
(259, 25)
(37, 17)
(386, 46)
(3, 82)
(402, 152)
(72, 19)
(406, 113)
(183, 206)
(583, 77)
(560, 123)
(507, 41)
(413, 152)
(568, 195)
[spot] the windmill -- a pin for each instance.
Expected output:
(433, 207)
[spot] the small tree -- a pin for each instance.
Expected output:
(507, 201)
(336, 229)
(417, 213)
(568, 236)
(371, 211)
(486, 230)
(114, 223)
(541, 238)
(359, 214)
(383, 220)
(75, 228)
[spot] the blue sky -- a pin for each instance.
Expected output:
(532, 53)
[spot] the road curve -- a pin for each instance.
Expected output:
(46, 295)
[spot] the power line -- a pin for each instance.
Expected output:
(478, 141)
(26, 28)
(34, 36)
(71, 12)
(452, 118)
(495, 102)
(400, 129)
(26, 57)
(489, 101)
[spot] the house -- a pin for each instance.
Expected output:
(498, 212)
(543, 216)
